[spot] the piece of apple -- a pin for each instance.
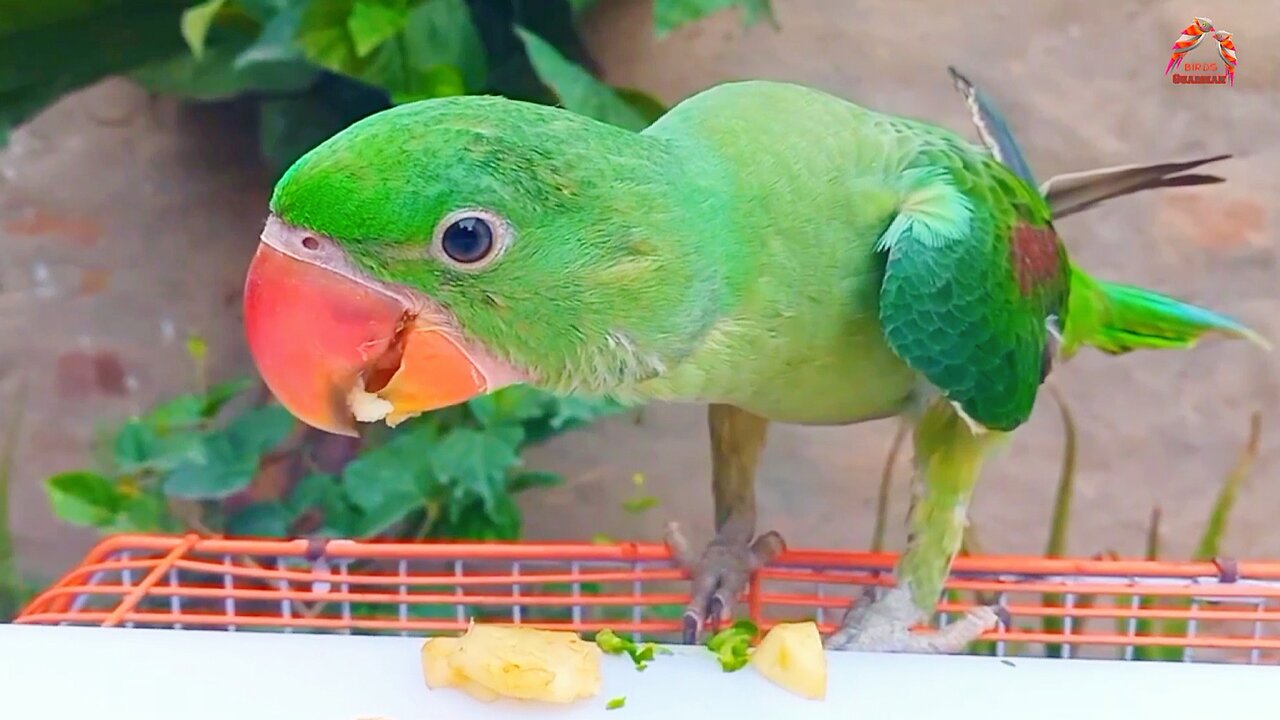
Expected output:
(519, 662)
(791, 656)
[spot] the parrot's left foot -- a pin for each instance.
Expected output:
(882, 621)
(720, 573)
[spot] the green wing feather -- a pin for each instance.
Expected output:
(975, 276)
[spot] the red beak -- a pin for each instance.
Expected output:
(320, 333)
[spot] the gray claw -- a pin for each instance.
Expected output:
(692, 623)
(715, 610)
(719, 574)
(1002, 613)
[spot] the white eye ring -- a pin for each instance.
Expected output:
(497, 236)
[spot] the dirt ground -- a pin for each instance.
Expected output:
(126, 223)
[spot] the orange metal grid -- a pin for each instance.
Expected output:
(1225, 611)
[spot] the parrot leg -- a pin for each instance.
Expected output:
(721, 572)
(949, 457)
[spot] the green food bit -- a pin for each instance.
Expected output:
(615, 703)
(611, 643)
(732, 646)
(614, 644)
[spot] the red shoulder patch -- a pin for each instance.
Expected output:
(1035, 255)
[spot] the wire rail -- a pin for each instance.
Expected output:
(1221, 611)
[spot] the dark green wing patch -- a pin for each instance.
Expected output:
(967, 308)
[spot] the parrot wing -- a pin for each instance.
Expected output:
(975, 284)
(1070, 193)
(992, 127)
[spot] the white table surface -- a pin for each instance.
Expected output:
(70, 673)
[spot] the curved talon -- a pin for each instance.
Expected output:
(1228, 569)
(692, 623)
(1002, 614)
(719, 574)
(715, 610)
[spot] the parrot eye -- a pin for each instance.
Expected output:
(467, 240)
(471, 238)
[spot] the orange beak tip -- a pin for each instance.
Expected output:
(435, 372)
(311, 332)
(316, 334)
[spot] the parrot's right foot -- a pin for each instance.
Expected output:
(719, 574)
(881, 621)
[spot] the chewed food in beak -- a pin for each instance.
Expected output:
(336, 347)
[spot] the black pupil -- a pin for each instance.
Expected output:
(467, 240)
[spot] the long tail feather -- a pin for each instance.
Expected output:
(1117, 319)
(1072, 192)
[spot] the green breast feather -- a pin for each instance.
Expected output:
(974, 280)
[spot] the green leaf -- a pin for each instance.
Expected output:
(313, 491)
(195, 24)
(378, 520)
(530, 479)
(230, 458)
(616, 703)
(289, 127)
(262, 11)
(1210, 544)
(435, 81)
(665, 612)
(649, 107)
(340, 517)
(145, 512)
(219, 395)
(84, 498)
(671, 14)
(417, 611)
(568, 413)
(263, 519)
(886, 484)
(178, 413)
(1146, 626)
(414, 63)
(582, 7)
(373, 22)
(506, 518)
(398, 472)
(575, 411)
(43, 58)
(576, 88)
(215, 76)
(324, 38)
(476, 461)
(261, 430)
(134, 444)
(222, 472)
(139, 447)
(275, 44)
(515, 403)
(441, 33)
(1061, 522)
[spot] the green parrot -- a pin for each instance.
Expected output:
(773, 251)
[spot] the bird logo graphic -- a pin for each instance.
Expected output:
(1193, 35)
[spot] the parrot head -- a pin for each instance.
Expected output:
(444, 249)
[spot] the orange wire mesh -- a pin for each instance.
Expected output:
(1224, 611)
